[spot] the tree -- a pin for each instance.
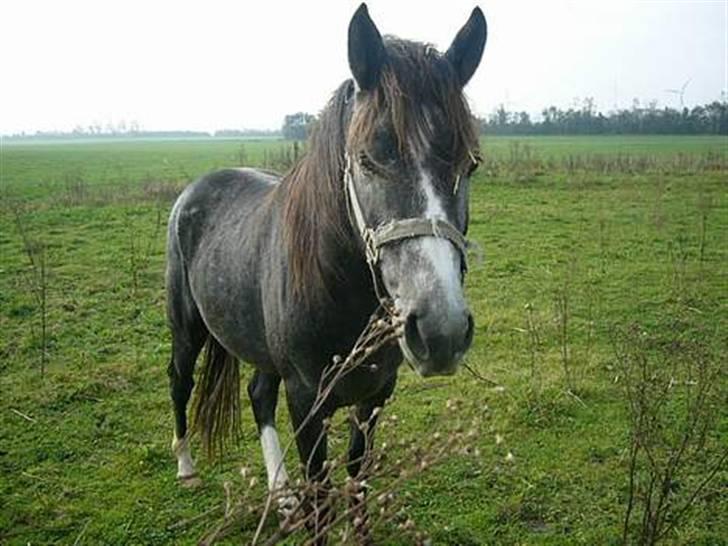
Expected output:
(298, 126)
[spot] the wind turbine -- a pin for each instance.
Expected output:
(680, 92)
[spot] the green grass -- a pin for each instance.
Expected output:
(42, 169)
(611, 144)
(91, 462)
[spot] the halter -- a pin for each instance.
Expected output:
(394, 230)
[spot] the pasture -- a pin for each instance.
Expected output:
(584, 241)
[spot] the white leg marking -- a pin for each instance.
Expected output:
(185, 466)
(277, 476)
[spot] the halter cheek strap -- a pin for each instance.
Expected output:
(395, 230)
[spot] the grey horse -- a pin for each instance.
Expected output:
(284, 272)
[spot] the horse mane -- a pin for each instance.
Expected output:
(416, 81)
(314, 211)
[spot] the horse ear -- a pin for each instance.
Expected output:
(467, 47)
(366, 49)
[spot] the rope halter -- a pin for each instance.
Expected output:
(394, 230)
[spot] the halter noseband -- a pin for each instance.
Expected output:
(395, 230)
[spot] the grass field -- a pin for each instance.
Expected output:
(583, 238)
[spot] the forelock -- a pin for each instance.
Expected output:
(418, 91)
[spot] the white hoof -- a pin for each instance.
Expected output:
(185, 465)
(288, 504)
(190, 482)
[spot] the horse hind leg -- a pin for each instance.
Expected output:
(188, 337)
(181, 369)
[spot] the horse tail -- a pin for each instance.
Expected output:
(216, 405)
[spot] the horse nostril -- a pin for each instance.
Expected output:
(414, 339)
(469, 333)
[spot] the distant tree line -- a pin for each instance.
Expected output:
(73, 135)
(247, 133)
(584, 119)
(133, 131)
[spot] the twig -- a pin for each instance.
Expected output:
(576, 397)
(34, 477)
(189, 521)
(692, 498)
(23, 415)
(80, 535)
(480, 377)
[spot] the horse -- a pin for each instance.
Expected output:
(283, 273)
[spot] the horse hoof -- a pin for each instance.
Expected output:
(190, 482)
(287, 507)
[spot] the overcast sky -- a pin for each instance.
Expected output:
(232, 64)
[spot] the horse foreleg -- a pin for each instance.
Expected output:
(263, 393)
(361, 438)
(312, 449)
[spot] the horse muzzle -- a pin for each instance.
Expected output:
(435, 342)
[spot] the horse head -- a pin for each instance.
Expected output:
(411, 148)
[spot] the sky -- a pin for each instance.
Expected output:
(246, 64)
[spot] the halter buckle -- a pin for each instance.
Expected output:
(370, 244)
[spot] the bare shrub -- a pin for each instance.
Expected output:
(143, 237)
(36, 278)
(141, 246)
(563, 313)
(523, 163)
(678, 251)
(563, 298)
(76, 190)
(705, 204)
(242, 155)
(535, 345)
(359, 507)
(161, 191)
(283, 157)
(371, 502)
(603, 245)
(671, 385)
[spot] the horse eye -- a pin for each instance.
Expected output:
(367, 164)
